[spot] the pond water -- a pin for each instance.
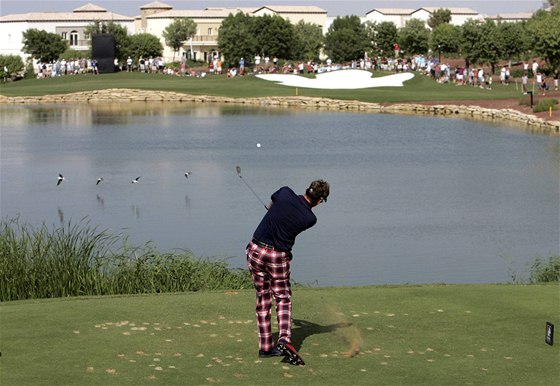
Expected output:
(413, 199)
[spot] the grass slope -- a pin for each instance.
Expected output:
(428, 335)
(420, 88)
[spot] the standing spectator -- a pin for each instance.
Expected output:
(503, 74)
(142, 64)
(241, 66)
(480, 78)
(535, 67)
(129, 64)
(555, 77)
(524, 81)
(544, 86)
(219, 67)
(507, 75)
(538, 80)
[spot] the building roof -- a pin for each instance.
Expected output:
(292, 9)
(89, 7)
(208, 13)
(392, 11)
(156, 5)
(512, 16)
(454, 10)
(409, 11)
(34, 17)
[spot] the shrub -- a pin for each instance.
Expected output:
(543, 271)
(13, 63)
(545, 105)
(77, 260)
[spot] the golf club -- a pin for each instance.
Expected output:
(238, 168)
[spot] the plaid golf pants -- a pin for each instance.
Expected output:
(270, 269)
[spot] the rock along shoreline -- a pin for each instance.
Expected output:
(526, 121)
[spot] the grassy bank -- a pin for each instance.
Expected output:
(78, 260)
(425, 335)
(420, 88)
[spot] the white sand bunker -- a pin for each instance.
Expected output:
(341, 79)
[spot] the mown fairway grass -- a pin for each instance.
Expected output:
(420, 88)
(426, 335)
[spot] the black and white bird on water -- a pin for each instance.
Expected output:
(135, 181)
(99, 180)
(187, 174)
(60, 179)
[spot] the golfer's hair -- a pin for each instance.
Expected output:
(318, 189)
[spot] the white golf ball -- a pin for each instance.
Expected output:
(258, 145)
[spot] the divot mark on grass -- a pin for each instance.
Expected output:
(90, 369)
(288, 375)
(158, 368)
(76, 332)
(111, 371)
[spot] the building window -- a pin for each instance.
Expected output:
(74, 38)
(64, 36)
(210, 31)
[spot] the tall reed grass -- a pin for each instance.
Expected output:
(79, 260)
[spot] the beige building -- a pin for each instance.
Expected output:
(155, 17)
(69, 25)
(399, 16)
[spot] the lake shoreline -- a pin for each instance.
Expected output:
(464, 110)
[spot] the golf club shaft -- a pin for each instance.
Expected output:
(238, 168)
(251, 189)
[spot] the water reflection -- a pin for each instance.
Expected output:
(60, 215)
(414, 199)
(100, 202)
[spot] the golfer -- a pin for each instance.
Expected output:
(269, 256)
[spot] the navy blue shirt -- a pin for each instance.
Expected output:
(288, 216)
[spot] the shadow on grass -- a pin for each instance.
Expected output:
(304, 329)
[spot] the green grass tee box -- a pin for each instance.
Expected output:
(402, 335)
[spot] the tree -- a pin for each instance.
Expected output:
(512, 40)
(544, 30)
(490, 46)
(383, 36)
(446, 38)
(414, 37)
(177, 32)
(438, 17)
(144, 45)
(119, 32)
(274, 36)
(235, 39)
(554, 3)
(42, 45)
(12, 63)
(308, 41)
(347, 39)
(470, 35)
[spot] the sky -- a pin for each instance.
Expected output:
(333, 7)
